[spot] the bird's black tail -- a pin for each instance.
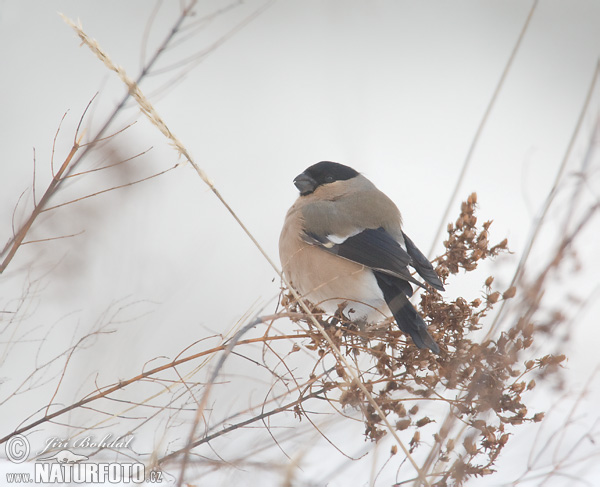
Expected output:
(408, 320)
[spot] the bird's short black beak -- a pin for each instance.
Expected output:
(305, 184)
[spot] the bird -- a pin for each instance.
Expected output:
(342, 248)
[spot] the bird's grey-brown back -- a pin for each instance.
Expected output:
(337, 200)
(343, 207)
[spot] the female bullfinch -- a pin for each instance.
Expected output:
(342, 247)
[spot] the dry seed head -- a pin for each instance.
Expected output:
(400, 410)
(423, 421)
(494, 297)
(134, 90)
(470, 446)
(415, 440)
(510, 292)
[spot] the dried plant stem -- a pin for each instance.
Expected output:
(124, 383)
(53, 238)
(557, 179)
(185, 12)
(213, 377)
(17, 239)
(206, 439)
(114, 188)
(39, 208)
(150, 112)
(182, 381)
(539, 221)
(482, 124)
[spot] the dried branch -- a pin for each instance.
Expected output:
(70, 165)
(107, 390)
(480, 127)
(113, 188)
(56, 179)
(541, 218)
(285, 408)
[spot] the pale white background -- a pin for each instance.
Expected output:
(394, 89)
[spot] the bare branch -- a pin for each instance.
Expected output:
(480, 127)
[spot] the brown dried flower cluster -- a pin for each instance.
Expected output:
(478, 380)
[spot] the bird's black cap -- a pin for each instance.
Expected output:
(323, 172)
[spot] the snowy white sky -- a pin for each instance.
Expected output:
(395, 89)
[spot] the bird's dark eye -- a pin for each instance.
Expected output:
(329, 179)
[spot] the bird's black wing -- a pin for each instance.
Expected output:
(422, 264)
(378, 250)
(374, 248)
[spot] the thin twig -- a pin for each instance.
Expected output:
(481, 126)
(200, 409)
(56, 182)
(260, 417)
(124, 383)
(53, 238)
(110, 165)
(33, 183)
(20, 236)
(132, 183)
(540, 219)
(54, 142)
(147, 30)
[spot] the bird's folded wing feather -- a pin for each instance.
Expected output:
(374, 248)
(422, 264)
